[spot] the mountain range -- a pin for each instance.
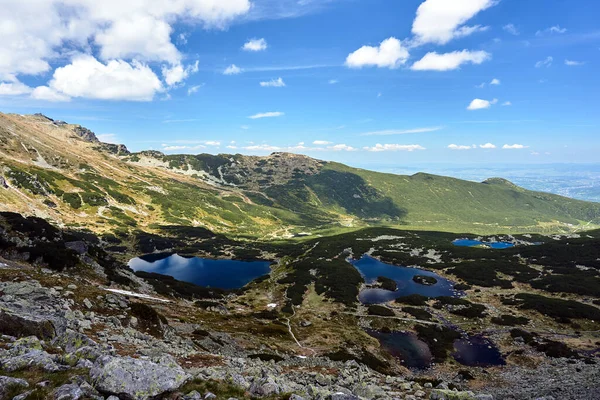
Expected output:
(62, 172)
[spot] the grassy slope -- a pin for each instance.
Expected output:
(435, 202)
(101, 191)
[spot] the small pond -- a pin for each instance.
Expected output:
(475, 243)
(222, 274)
(415, 354)
(477, 351)
(406, 347)
(371, 268)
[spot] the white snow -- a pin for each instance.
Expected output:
(138, 295)
(271, 305)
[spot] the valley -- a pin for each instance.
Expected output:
(281, 276)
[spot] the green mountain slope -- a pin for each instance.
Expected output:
(62, 172)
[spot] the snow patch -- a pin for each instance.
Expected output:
(138, 295)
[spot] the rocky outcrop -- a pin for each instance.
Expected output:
(8, 384)
(136, 379)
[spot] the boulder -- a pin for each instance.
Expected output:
(135, 379)
(68, 392)
(25, 325)
(31, 359)
(446, 394)
(8, 384)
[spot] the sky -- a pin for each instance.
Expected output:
(355, 81)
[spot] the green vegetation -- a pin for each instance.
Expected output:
(418, 313)
(381, 311)
(510, 320)
(425, 280)
(72, 199)
(413, 300)
(387, 283)
(556, 308)
(439, 339)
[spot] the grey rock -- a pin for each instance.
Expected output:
(296, 397)
(87, 303)
(445, 394)
(68, 392)
(193, 395)
(7, 383)
(112, 398)
(33, 358)
(138, 379)
(210, 396)
(77, 246)
(25, 325)
(342, 396)
(305, 324)
(486, 397)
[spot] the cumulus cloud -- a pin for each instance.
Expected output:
(395, 147)
(402, 131)
(553, 29)
(547, 62)
(449, 61)
(273, 83)
(255, 45)
(389, 54)
(178, 73)
(341, 147)
(460, 147)
(232, 70)
(40, 31)
(571, 63)
(487, 146)
(510, 28)
(480, 104)
(14, 88)
(514, 147)
(440, 21)
(495, 81)
(48, 94)
(117, 80)
(271, 114)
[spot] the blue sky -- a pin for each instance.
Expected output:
(356, 81)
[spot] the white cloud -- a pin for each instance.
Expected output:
(177, 73)
(333, 81)
(262, 147)
(321, 142)
(440, 21)
(572, 63)
(273, 83)
(480, 104)
(245, 127)
(14, 88)
(48, 94)
(194, 89)
(37, 32)
(459, 147)
(212, 143)
(341, 147)
(403, 131)
(389, 54)
(547, 62)
(108, 138)
(480, 86)
(395, 147)
(495, 81)
(271, 114)
(255, 45)
(232, 70)
(444, 62)
(488, 146)
(514, 147)
(118, 80)
(510, 28)
(507, 103)
(552, 29)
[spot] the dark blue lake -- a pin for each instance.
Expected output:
(371, 268)
(473, 243)
(223, 274)
(406, 347)
(477, 351)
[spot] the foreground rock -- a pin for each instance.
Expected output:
(135, 379)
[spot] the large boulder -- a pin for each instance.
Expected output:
(24, 325)
(8, 384)
(135, 379)
(446, 394)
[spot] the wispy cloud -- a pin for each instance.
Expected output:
(514, 147)
(512, 29)
(434, 61)
(394, 147)
(108, 138)
(460, 147)
(194, 89)
(547, 62)
(402, 131)
(333, 81)
(572, 63)
(552, 30)
(321, 142)
(271, 114)
(273, 83)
